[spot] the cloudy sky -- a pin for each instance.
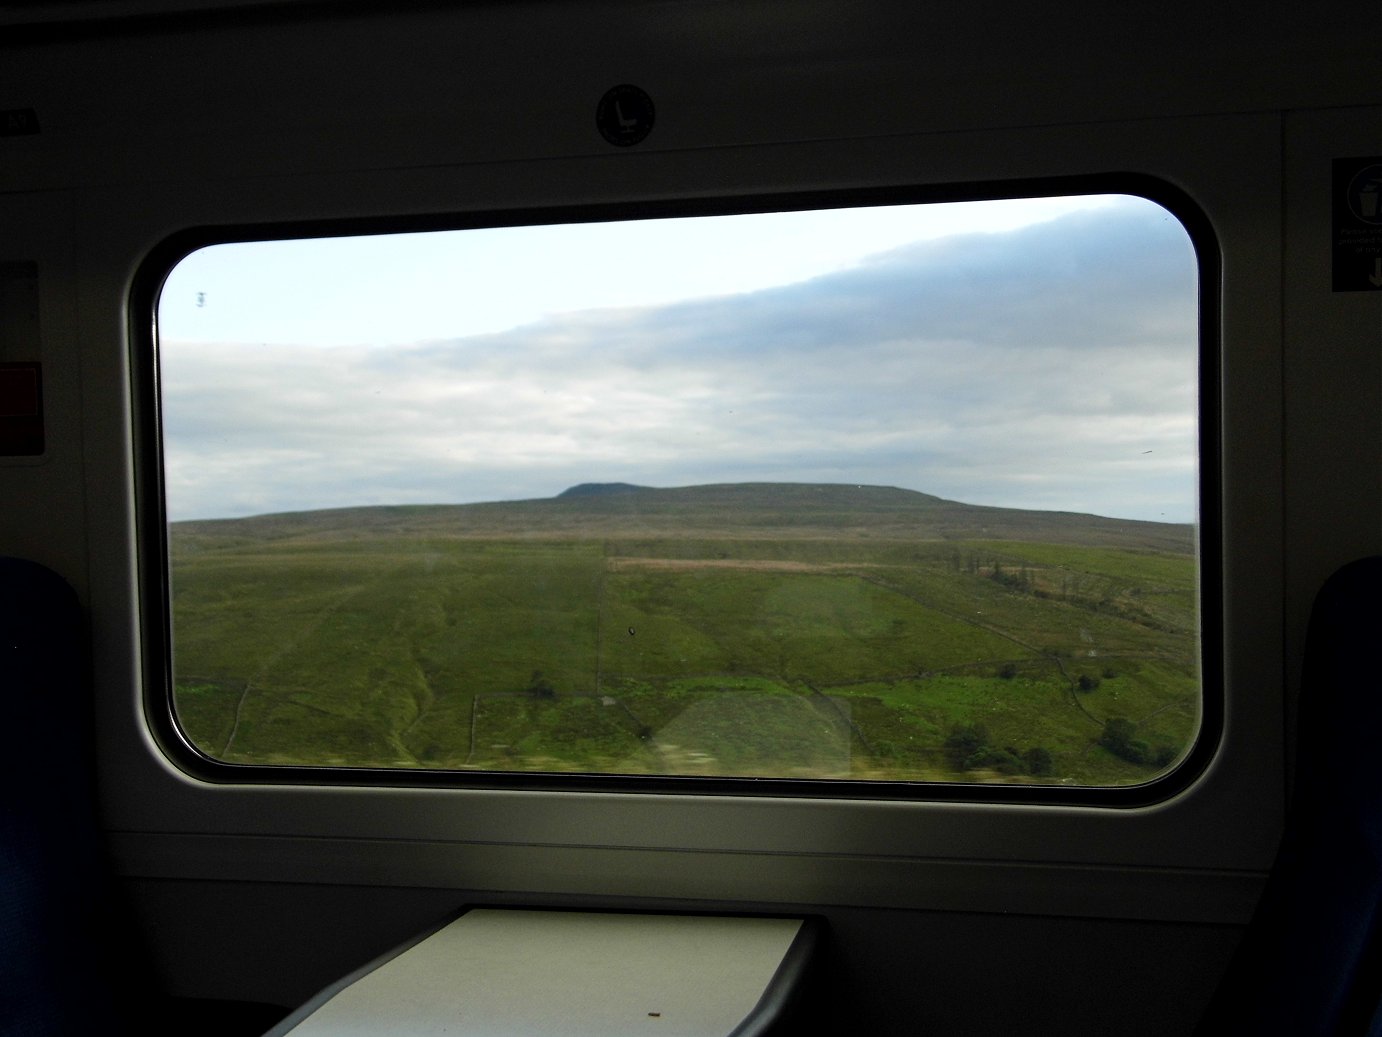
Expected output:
(1034, 354)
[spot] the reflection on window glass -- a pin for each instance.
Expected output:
(903, 493)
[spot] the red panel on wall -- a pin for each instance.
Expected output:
(21, 409)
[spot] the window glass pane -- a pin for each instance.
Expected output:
(894, 493)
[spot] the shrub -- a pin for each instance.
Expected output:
(1165, 755)
(1118, 731)
(1005, 761)
(968, 749)
(1118, 739)
(1038, 761)
(966, 742)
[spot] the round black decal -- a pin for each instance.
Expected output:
(624, 115)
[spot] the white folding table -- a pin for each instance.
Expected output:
(531, 973)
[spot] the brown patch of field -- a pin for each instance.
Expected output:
(742, 564)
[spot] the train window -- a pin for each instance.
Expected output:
(899, 495)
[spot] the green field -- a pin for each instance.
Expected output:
(841, 632)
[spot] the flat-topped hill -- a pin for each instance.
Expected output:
(739, 510)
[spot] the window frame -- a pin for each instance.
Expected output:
(153, 537)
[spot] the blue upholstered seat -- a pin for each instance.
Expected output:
(72, 958)
(1311, 960)
(57, 973)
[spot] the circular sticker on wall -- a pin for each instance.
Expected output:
(1357, 218)
(624, 115)
(1364, 190)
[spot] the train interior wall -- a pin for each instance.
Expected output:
(975, 918)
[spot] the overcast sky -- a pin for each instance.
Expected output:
(1047, 359)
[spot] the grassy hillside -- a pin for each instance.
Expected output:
(748, 629)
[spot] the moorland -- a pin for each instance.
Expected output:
(792, 630)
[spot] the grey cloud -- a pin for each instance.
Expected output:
(1033, 368)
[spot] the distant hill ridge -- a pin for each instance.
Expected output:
(738, 510)
(596, 489)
